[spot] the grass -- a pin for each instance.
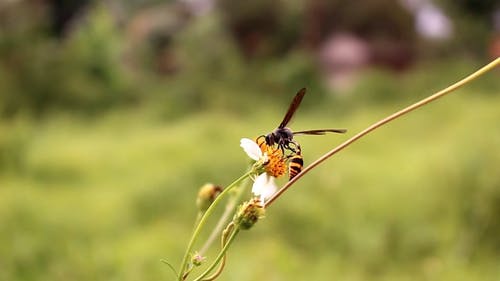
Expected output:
(106, 199)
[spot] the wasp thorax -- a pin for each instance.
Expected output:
(280, 136)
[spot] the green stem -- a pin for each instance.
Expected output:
(389, 118)
(203, 220)
(223, 241)
(220, 256)
(223, 219)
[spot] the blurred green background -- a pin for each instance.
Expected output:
(114, 113)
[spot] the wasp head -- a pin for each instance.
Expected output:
(281, 136)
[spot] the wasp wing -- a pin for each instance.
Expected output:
(293, 106)
(320, 132)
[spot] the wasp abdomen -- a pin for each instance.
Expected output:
(295, 165)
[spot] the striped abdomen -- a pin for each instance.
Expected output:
(295, 165)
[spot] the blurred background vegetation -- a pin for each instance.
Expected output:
(113, 113)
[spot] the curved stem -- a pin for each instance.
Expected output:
(203, 220)
(389, 118)
(216, 274)
(220, 255)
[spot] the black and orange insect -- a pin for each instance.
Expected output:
(295, 163)
(283, 136)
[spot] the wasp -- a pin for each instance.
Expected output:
(283, 137)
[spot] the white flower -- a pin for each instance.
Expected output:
(263, 185)
(252, 149)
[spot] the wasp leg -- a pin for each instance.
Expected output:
(259, 137)
(296, 147)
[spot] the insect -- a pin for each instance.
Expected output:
(283, 136)
(295, 164)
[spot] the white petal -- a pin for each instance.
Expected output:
(264, 186)
(251, 148)
(269, 189)
(259, 184)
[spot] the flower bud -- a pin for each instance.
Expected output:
(197, 259)
(207, 195)
(248, 214)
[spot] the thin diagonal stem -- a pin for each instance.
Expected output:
(224, 218)
(384, 121)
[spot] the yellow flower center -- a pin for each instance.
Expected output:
(276, 167)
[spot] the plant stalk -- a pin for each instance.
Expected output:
(220, 255)
(384, 121)
(201, 224)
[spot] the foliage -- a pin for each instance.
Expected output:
(100, 162)
(82, 73)
(89, 69)
(86, 71)
(108, 199)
